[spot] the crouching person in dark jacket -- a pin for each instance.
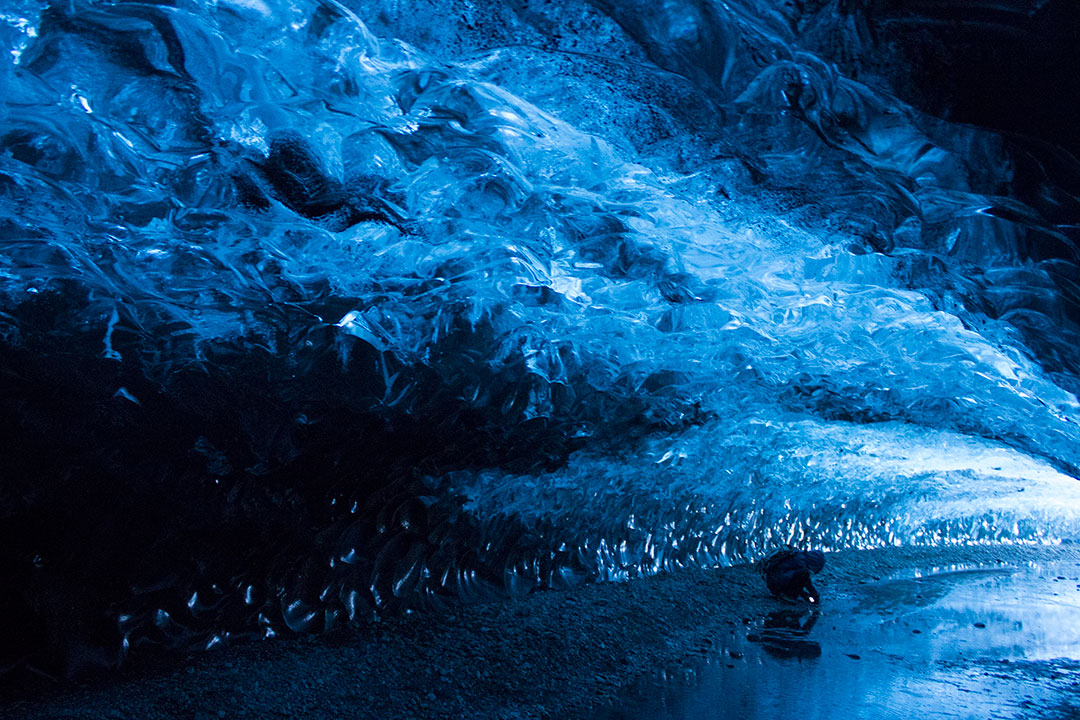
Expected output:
(787, 574)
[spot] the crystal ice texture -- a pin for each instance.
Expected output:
(319, 322)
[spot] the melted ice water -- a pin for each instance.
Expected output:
(956, 643)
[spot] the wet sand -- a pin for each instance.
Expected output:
(572, 654)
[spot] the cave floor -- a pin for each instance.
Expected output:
(978, 631)
(996, 640)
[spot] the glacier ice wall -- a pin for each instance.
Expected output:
(310, 311)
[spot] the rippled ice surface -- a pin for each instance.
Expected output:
(309, 311)
(971, 642)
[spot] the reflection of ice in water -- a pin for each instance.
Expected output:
(977, 616)
(963, 643)
(1031, 613)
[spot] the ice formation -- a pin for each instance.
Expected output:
(312, 310)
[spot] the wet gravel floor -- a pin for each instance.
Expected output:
(998, 640)
(551, 655)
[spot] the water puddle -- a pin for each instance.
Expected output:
(1001, 642)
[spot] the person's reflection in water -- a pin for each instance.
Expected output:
(786, 634)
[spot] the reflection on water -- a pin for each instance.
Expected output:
(786, 634)
(1000, 642)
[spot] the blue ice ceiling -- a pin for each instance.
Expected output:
(310, 311)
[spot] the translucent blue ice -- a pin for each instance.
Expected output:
(675, 296)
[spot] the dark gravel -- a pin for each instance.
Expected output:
(551, 655)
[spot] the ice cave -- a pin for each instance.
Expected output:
(318, 316)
